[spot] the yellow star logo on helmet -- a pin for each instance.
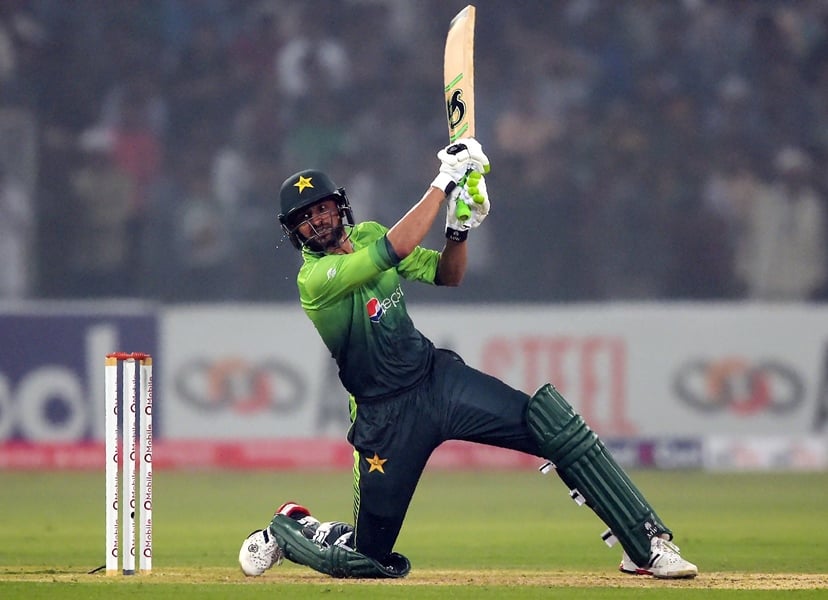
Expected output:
(303, 183)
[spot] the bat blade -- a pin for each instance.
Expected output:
(458, 75)
(458, 78)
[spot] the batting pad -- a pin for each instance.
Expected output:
(336, 561)
(589, 470)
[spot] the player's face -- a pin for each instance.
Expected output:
(321, 226)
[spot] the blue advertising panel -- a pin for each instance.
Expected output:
(52, 367)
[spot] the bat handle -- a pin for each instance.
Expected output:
(462, 210)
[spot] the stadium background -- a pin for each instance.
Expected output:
(143, 143)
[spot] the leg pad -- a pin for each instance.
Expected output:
(336, 561)
(584, 464)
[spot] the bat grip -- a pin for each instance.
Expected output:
(462, 210)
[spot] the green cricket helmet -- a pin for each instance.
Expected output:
(301, 190)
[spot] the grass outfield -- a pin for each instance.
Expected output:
(495, 535)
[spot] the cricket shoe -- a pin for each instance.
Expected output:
(259, 552)
(665, 562)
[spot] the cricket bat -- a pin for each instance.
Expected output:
(458, 77)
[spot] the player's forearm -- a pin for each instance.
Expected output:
(452, 265)
(410, 231)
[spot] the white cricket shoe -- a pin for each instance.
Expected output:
(665, 562)
(630, 568)
(259, 552)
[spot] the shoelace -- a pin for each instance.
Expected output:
(662, 544)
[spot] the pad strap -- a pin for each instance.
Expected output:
(586, 467)
(336, 561)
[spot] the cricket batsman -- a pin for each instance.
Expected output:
(407, 396)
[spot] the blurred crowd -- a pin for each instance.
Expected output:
(641, 149)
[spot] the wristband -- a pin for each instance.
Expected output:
(456, 235)
(444, 182)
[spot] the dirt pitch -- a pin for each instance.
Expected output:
(563, 579)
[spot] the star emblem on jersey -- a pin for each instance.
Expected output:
(304, 182)
(376, 463)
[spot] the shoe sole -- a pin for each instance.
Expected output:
(678, 575)
(636, 571)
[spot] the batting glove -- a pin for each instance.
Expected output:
(474, 194)
(456, 160)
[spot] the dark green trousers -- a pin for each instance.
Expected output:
(394, 438)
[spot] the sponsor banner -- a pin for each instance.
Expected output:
(239, 372)
(657, 454)
(52, 365)
(25, 456)
(269, 454)
(327, 453)
(236, 372)
(755, 453)
(302, 453)
(633, 371)
(717, 453)
(656, 371)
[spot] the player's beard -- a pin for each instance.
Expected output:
(326, 239)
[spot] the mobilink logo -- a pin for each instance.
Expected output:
(376, 308)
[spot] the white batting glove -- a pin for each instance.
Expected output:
(456, 160)
(474, 194)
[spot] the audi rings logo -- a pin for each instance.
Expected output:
(738, 386)
(240, 385)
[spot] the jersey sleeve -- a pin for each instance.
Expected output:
(420, 265)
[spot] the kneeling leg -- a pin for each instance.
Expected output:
(334, 560)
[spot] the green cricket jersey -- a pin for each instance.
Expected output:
(357, 305)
